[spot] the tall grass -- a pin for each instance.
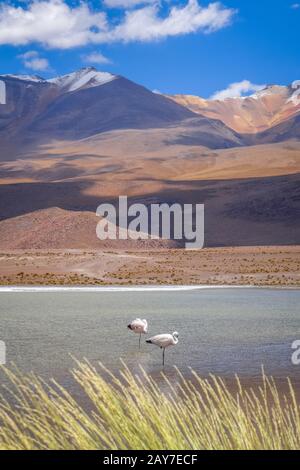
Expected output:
(132, 412)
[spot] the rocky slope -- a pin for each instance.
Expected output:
(256, 113)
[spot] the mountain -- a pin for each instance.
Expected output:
(286, 130)
(87, 102)
(80, 104)
(116, 104)
(252, 114)
(34, 230)
(75, 141)
(21, 98)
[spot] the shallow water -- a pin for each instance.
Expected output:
(221, 331)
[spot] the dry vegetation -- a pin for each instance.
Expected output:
(261, 266)
(132, 412)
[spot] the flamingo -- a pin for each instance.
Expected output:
(138, 326)
(163, 341)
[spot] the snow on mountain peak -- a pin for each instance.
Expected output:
(295, 84)
(295, 97)
(84, 78)
(268, 91)
(25, 78)
(290, 93)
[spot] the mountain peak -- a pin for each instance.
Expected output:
(85, 77)
(251, 114)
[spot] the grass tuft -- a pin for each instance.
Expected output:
(133, 412)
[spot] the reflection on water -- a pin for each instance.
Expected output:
(221, 331)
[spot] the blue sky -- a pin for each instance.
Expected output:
(184, 46)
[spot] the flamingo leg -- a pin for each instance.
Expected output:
(140, 341)
(164, 356)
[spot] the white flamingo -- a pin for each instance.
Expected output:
(164, 341)
(138, 326)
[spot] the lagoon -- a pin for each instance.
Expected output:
(223, 331)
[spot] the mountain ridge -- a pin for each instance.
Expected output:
(248, 114)
(87, 102)
(72, 142)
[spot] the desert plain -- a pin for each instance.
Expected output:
(257, 266)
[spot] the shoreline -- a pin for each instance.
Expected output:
(137, 288)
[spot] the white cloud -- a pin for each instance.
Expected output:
(56, 24)
(52, 23)
(96, 58)
(145, 24)
(32, 60)
(126, 3)
(237, 89)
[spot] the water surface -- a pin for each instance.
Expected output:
(222, 331)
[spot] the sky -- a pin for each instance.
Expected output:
(197, 47)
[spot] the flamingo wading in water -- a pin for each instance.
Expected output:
(164, 341)
(138, 326)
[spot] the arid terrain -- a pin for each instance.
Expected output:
(259, 266)
(251, 194)
(249, 115)
(74, 142)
